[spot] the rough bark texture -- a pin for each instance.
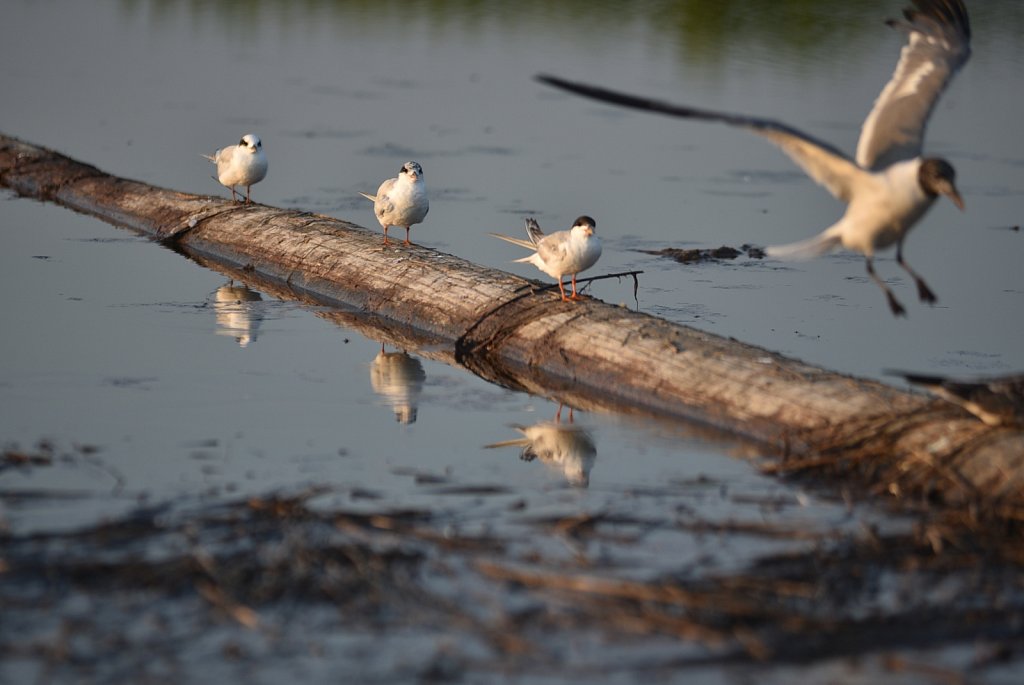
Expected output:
(495, 324)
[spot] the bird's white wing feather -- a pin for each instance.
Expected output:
(938, 44)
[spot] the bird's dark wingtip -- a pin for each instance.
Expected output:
(563, 84)
(946, 12)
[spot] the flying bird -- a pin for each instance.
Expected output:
(401, 201)
(561, 253)
(997, 400)
(244, 164)
(889, 186)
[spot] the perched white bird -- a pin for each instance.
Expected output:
(562, 447)
(889, 186)
(998, 400)
(398, 377)
(563, 252)
(401, 201)
(244, 164)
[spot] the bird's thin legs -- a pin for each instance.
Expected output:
(894, 304)
(575, 295)
(923, 291)
(561, 289)
(407, 235)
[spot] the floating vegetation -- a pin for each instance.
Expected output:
(283, 582)
(692, 255)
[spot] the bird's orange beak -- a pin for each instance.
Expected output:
(954, 196)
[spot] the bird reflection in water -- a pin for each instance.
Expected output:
(236, 315)
(398, 377)
(562, 447)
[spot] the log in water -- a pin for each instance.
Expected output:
(588, 353)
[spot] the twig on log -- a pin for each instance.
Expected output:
(534, 288)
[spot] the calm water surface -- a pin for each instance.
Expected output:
(117, 347)
(151, 379)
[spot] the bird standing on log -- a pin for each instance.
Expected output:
(889, 186)
(401, 201)
(562, 252)
(244, 164)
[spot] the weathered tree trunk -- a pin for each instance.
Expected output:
(493, 323)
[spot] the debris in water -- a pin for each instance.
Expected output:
(688, 256)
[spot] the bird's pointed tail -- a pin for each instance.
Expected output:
(533, 230)
(517, 442)
(824, 242)
(371, 198)
(515, 241)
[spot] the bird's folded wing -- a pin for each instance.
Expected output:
(554, 248)
(382, 203)
(938, 44)
(822, 162)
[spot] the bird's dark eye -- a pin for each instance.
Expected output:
(242, 142)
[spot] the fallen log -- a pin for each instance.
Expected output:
(505, 329)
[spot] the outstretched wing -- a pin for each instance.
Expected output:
(822, 162)
(938, 44)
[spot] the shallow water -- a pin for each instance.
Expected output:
(146, 379)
